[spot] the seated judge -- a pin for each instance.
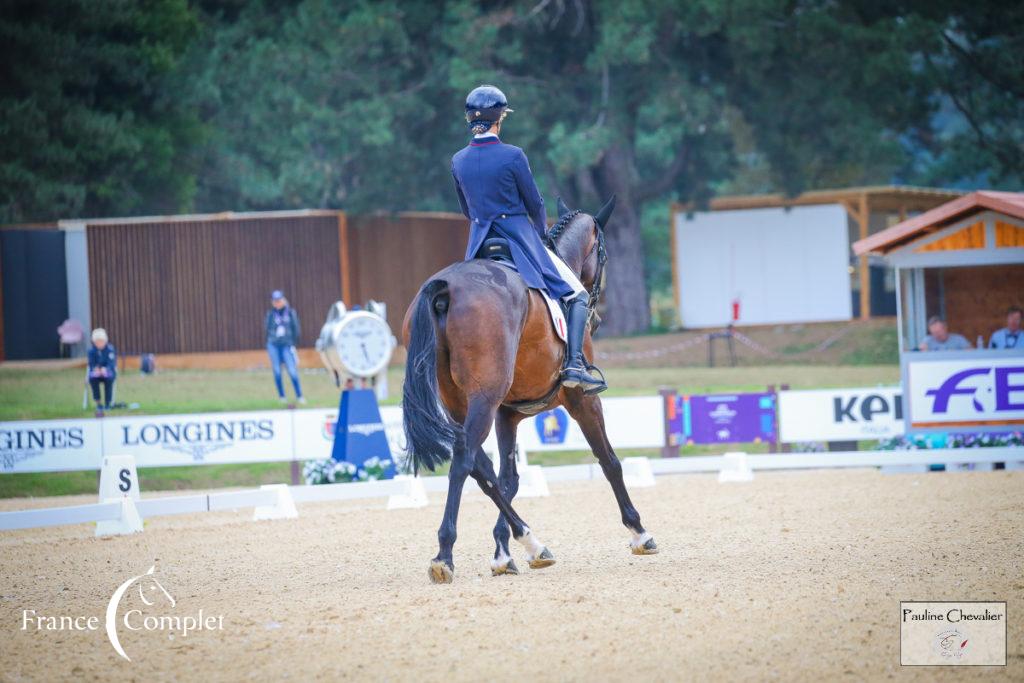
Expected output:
(940, 339)
(102, 368)
(1010, 336)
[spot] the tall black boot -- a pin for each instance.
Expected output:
(575, 373)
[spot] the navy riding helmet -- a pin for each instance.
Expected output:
(484, 106)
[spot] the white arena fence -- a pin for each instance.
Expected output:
(277, 501)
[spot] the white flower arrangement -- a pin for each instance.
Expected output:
(331, 471)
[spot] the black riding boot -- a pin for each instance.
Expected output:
(575, 372)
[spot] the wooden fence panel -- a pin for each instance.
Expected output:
(391, 256)
(204, 285)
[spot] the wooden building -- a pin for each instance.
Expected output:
(200, 284)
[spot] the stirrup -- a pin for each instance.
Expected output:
(599, 388)
(586, 368)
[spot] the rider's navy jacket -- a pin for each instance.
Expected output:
(497, 192)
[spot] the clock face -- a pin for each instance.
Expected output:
(364, 344)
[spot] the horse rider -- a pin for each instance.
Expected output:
(499, 195)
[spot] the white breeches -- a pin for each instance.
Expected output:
(566, 274)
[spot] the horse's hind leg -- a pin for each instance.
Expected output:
(537, 555)
(479, 416)
(508, 483)
(586, 410)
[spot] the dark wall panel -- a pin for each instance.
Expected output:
(35, 294)
(191, 287)
(391, 256)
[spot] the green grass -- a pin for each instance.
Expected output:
(48, 394)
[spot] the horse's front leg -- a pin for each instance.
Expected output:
(586, 410)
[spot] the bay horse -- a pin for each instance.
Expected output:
(482, 350)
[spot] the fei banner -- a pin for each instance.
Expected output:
(840, 414)
(969, 389)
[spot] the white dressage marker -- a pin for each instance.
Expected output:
(410, 493)
(118, 478)
(119, 482)
(129, 522)
(532, 482)
(282, 508)
(735, 468)
(637, 473)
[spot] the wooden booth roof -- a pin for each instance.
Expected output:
(1008, 203)
(880, 196)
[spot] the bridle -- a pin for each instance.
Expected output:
(556, 231)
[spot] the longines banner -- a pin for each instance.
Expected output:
(275, 435)
(50, 445)
(840, 414)
(160, 440)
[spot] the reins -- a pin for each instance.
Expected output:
(551, 238)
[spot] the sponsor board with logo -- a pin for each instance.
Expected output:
(840, 414)
(50, 445)
(631, 422)
(965, 390)
(952, 633)
(197, 439)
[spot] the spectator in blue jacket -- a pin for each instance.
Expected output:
(1011, 336)
(282, 326)
(102, 368)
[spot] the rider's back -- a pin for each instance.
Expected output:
(487, 175)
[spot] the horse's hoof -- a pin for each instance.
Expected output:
(441, 572)
(545, 559)
(508, 568)
(649, 547)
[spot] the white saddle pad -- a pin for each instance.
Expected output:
(557, 317)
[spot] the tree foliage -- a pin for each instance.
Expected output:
(86, 124)
(123, 107)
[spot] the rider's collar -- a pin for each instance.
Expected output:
(484, 139)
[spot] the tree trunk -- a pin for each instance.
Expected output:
(626, 309)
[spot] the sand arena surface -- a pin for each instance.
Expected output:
(797, 576)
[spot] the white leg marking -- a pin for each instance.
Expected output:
(639, 539)
(500, 561)
(533, 546)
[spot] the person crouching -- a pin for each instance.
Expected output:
(102, 368)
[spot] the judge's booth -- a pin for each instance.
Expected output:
(962, 261)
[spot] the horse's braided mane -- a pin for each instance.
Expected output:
(558, 228)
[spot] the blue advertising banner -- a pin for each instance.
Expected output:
(727, 418)
(359, 432)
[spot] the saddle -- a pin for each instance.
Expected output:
(495, 249)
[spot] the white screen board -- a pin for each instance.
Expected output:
(783, 265)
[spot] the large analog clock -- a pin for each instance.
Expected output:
(363, 343)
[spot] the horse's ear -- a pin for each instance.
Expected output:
(562, 208)
(606, 211)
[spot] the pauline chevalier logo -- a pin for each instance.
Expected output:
(967, 633)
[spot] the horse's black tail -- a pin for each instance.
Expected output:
(431, 434)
